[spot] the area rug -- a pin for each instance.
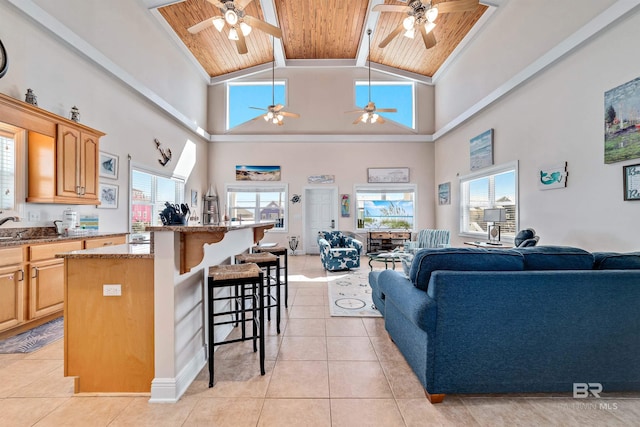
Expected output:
(350, 294)
(34, 339)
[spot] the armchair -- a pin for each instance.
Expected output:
(338, 251)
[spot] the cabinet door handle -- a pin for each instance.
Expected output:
(21, 275)
(108, 244)
(78, 190)
(83, 191)
(34, 272)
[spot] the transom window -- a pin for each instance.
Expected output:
(399, 95)
(243, 95)
(258, 203)
(149, 193)
(386, 206)
(495, 187)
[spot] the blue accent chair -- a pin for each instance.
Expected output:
(338, 251)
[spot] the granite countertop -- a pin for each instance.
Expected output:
(227, 226)
(128, 250)
(42, 235)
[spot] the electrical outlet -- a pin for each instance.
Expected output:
(34, 216)
(111, 290)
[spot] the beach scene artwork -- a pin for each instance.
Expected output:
(257, 173)
(481, 150)
(444, 193)
(622, 122)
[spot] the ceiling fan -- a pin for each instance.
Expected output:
(241, 24)
(422, 16)
(274, 113)
(369, 112)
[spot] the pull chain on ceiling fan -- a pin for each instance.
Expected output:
(274, 113)
(239, 22)
(370, 113)
(422, 16)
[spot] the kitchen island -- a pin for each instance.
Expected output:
(152, 337)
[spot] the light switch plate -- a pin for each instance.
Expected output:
(111, 290)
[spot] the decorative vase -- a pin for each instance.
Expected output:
(293, 244)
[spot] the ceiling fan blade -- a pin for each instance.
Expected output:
(257, 108)
(391, 8)
(278, 107)
(355, 111)
(216, 3)
(241, 43)
(457, 6)
(428, 38)
(358, 120)
(263, 26)
(390, 37)
(287, 114)
(387, 110)
(241, 4)
(201, 26)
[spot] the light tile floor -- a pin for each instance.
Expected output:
(320, 371)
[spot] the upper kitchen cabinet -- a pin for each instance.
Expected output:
(62, 155)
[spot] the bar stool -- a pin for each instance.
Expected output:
(267, 261)
(249, 279)
(282, 253)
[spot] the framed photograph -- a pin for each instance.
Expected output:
(444, 193)
(257, 173)
(108, 165)
(552, 176)
(108, 194)
(631, 176)
(345, 205)
(621, 127)
(387, 175)
(481, 150)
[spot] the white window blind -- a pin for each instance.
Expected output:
(7, 171)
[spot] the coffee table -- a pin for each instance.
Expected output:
(387, 257)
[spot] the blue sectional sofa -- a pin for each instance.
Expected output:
(526, 320)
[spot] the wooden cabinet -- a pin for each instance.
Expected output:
(77, 164)
(62, 155)
(46, 277)
(105, 241)
(379, 241)
(11, 288)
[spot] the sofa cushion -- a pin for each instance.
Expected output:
(616, 261)
(556, 258)
(461, 259)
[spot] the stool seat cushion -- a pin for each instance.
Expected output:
(270, 249)
(257, 258)
(235, 271)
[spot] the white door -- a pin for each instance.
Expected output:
(320, 213)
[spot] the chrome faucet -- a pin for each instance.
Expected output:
(9, 218)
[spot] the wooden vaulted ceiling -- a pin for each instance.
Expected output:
(317, 30)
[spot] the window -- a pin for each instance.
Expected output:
(243, 95)
(494, 187)
(149, 193)
(258, 203)
(387, 206)
(399, 95)
(7, 171)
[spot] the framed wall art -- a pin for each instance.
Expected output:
(345, 205)
(257, 173)
(387, 175)
(621, 124)
(108, 165)
(631, 176)
(481, 150)
(108, 194)
(444, 193)
(552, 176)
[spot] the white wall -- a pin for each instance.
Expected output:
(557, 116)
(347, 161)
(321, 96)
(62, 78)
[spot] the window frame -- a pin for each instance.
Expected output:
(283, 187)
(387, 188)
(364, 82)
(155, 173)
(464, 197)
(19, 136)
(276, 82)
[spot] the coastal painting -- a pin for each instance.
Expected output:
(622, 122)
(257, 173)
(552, 176)
(444, 193)
(387, 175)
(481, 150)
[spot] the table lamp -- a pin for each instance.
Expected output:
(494, 215)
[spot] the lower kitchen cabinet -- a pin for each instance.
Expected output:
(11, 296)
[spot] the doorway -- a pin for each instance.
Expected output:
(320, 213)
